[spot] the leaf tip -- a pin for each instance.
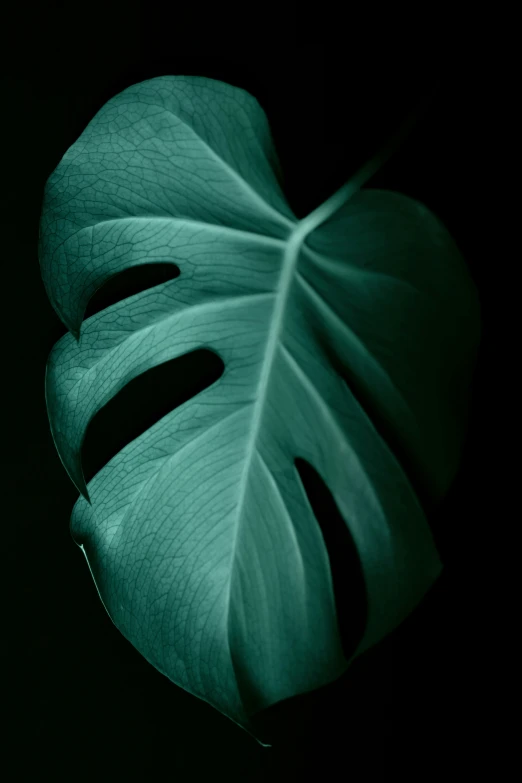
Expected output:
(76, 474)
(84, 492)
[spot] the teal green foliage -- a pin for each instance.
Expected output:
(199, 534)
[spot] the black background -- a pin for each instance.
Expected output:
(81, 703)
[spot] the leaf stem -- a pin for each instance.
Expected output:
(362, 175)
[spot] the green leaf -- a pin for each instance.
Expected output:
(357, 320)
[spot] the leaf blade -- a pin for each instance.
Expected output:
(200, 537)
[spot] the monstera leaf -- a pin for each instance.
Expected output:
(199, 534)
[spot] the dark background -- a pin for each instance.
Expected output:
(81, 703)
